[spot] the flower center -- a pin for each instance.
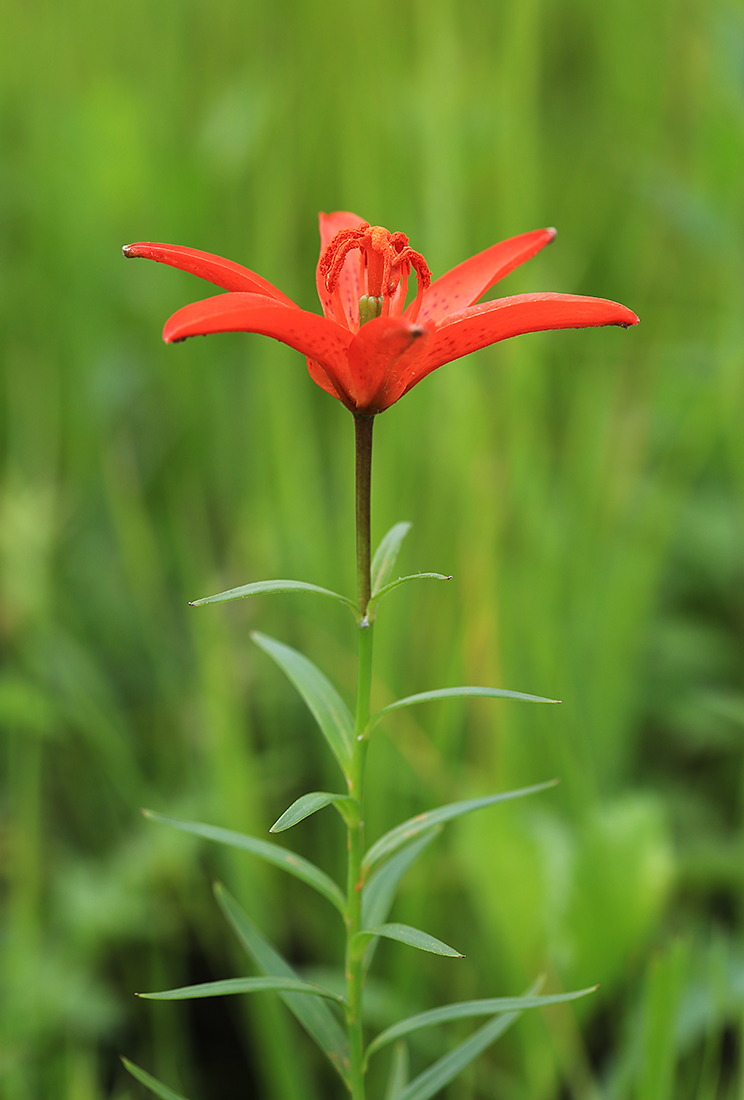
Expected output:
(385, 263)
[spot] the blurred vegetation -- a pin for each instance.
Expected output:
(586, 489)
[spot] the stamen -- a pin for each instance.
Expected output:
(385, 262)
(423, 280)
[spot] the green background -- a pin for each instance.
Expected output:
(584, 488)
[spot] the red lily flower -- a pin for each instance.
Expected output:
(369, 349)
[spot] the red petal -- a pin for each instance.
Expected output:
(381, 355)
(215, 269)
(330, 224)
(314, 336)
(466, 283)
(485, 324)
(323, 379)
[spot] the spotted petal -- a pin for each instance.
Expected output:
(314, 336)
(490, 322)
(469, 281)
(215, 269)
(381, 350)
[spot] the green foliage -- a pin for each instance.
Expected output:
(324, 702)
(386, 555)
(386, 589)
(308, 804)
(401, 834)
(229, 986)
(466, 1009)
(272, 853)
(150, 1082)
(433, 1079)
(457, 692)
(260, 588)
(414, 937)
(312, 1013)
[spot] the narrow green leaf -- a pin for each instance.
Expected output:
(324, 702)
(241, 985)
(466, 1009)
(313, 1013)
(273, 853)
(308, 804)
(455, 692)
(404, 580)
(259, 588)
(398, 836)
(414, 937)
(386, 555)
(378, 893)
(150, 1082)
(379, 890)
(442, 1072)
(398, 1077)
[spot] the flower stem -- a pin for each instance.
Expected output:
(363, 426)
(355, 825)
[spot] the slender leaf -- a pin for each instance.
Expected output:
(151, 1082)
(309, 804)
(414, 937)
(455, 692)
(325, 703)
(404, 580)
(313, 1013)
(398, 1076)
(466, 1009)
(386, 555)
(378, 893)
(259, 588)
(241, 985)
(273, 853)
(398, 836)
(442, 1072)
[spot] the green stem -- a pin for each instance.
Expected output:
(363, 426)
(355, 954)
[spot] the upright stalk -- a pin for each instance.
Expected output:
(363, 426)
(355, 825)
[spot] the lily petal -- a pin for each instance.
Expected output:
(469, 281)
(349, 289)
(490, 322)
(314, 336)
(381, 350)
(215, 269)
(321, 378)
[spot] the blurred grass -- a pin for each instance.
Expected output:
(585, 489)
